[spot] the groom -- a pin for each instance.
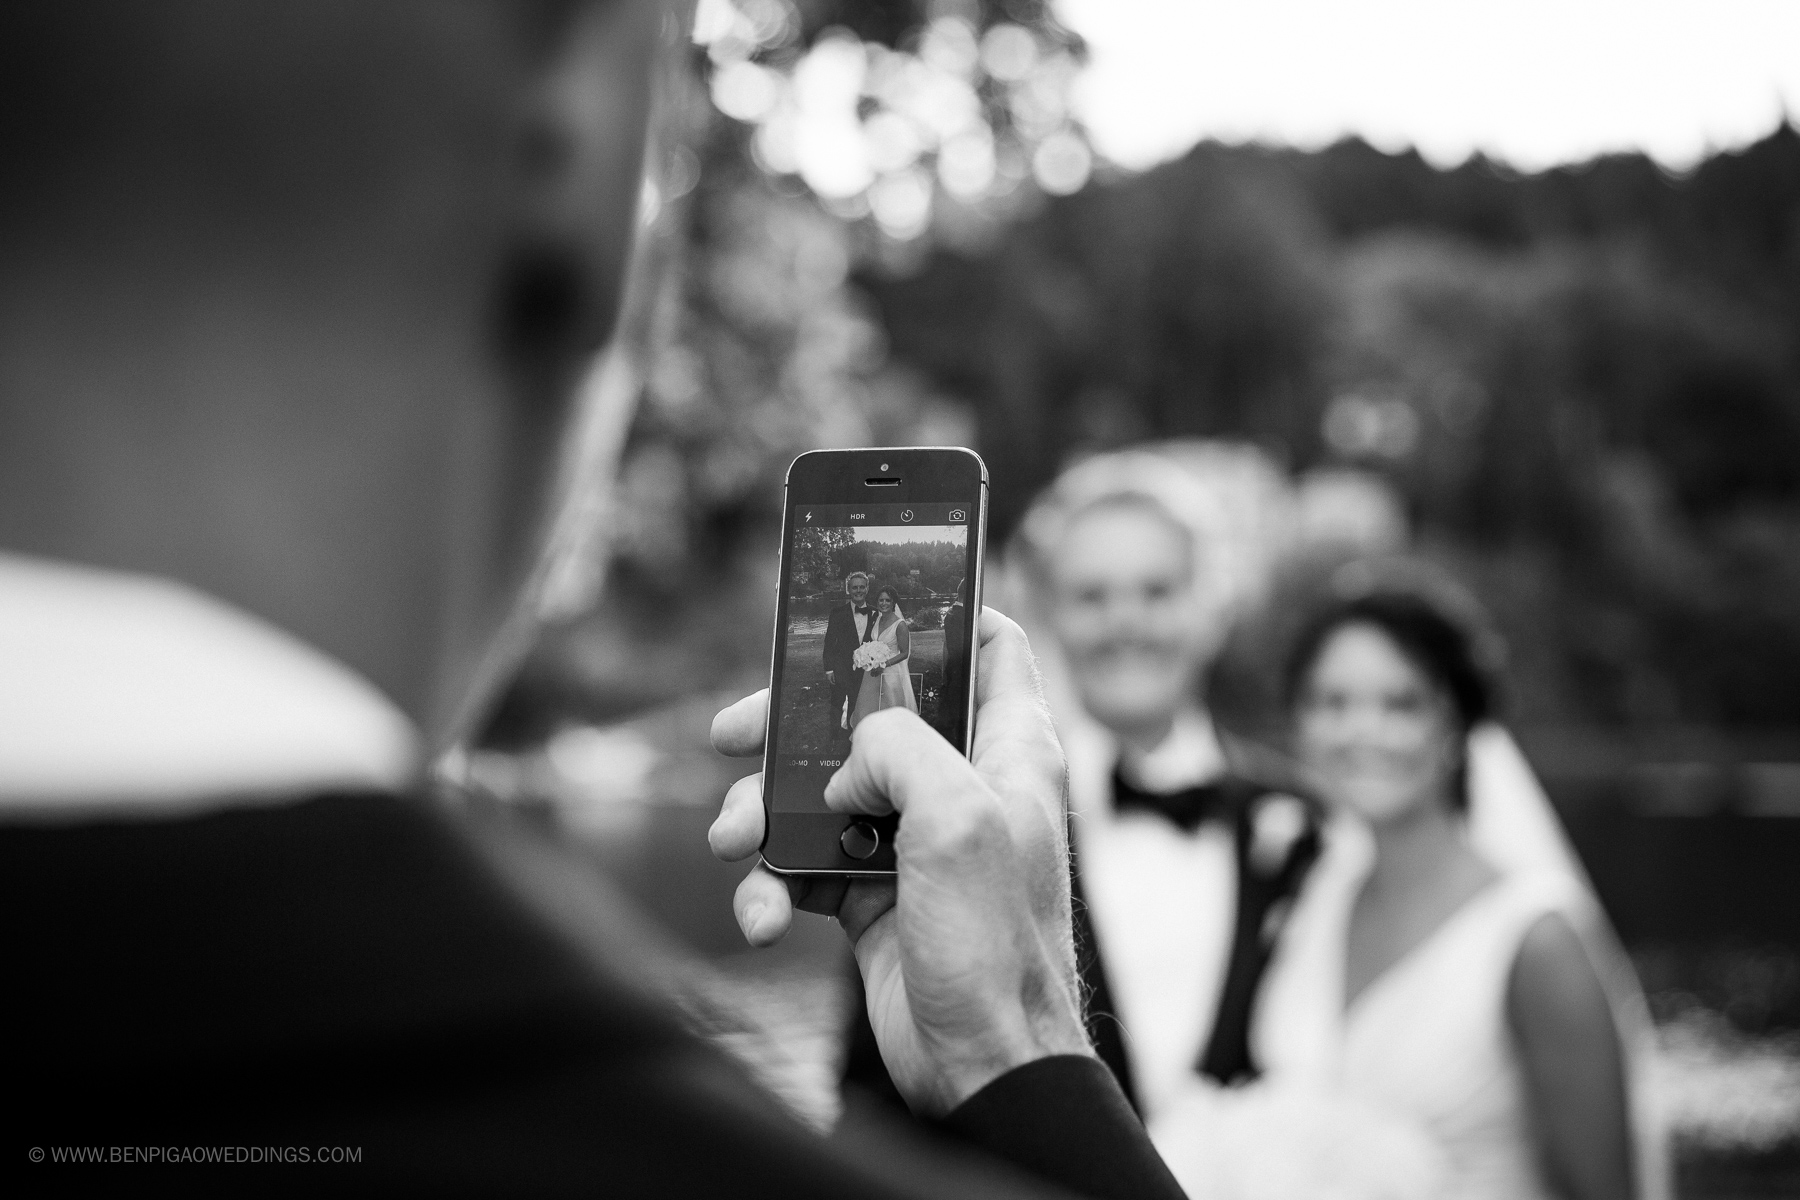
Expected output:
(849, 626)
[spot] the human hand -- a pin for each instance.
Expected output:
(967, 957)
(831, 678)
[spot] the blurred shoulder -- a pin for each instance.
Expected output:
(1553, 984)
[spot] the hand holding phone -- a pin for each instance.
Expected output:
(881, 561)
(968, 963)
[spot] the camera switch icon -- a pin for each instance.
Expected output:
(957, 514)
(906, 515)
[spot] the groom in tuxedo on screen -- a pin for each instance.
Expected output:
(849, 626)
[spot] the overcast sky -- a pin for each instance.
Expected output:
(1532, 82)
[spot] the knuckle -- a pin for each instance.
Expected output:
(745, 793)
(976, 825)
(888, 730)
(1008, 633)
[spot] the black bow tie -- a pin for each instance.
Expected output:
(862, 612)
(1187, 809)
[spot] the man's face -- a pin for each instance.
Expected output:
(1127, 617)
(859, 592)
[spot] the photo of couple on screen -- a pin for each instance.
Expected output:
(876, 618)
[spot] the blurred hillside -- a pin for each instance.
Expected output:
(1585, 382)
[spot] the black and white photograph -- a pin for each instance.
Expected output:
(876, 618)
(1378, 427)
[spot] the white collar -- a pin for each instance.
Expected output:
(1188, 756)
(127, 695)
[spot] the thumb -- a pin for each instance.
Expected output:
(896, 762)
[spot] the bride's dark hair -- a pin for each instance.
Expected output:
(1443, 648)
(888, 589)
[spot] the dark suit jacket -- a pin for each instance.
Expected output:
(454, 1002)
(955, 680)
(841, 640)
(1262, 893)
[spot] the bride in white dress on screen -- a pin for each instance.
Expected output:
(1447, 1013)
(887, 680)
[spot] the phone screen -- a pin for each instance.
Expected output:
(875, 614)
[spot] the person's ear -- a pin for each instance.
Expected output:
(580, 177)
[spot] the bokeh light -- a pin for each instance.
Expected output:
(947, 124)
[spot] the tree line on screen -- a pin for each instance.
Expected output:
(822, 557)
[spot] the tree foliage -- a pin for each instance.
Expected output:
(1585, 382)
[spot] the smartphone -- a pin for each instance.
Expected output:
(879, 599)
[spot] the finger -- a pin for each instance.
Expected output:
(1007, 682)
(897, 758)
(822, 894)
(764, 907)
(865, 902)
(738, 831)
(1015, 749)
(738, 731)
(896, 762)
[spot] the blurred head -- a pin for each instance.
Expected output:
(1120, 547)
(1384, 690)
(858, 587)
(1123, 604)
(887, 598)
(296, 297)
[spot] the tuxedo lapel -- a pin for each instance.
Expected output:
(1263, 899)
(1259, 901)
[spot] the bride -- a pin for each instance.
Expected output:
(884, 660)
(1432, 1024)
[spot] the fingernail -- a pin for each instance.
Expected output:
(753, 919)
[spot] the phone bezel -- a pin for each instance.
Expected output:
(802, 843)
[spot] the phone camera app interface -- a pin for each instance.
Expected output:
(877, 617)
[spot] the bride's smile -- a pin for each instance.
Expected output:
(1374, 735)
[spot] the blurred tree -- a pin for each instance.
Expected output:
(816, 557)
(892, 230)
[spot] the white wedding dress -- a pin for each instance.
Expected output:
(1414, 1089)
(892, 688)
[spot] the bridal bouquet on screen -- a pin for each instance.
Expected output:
(869, 656)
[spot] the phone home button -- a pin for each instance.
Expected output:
(860, 840)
